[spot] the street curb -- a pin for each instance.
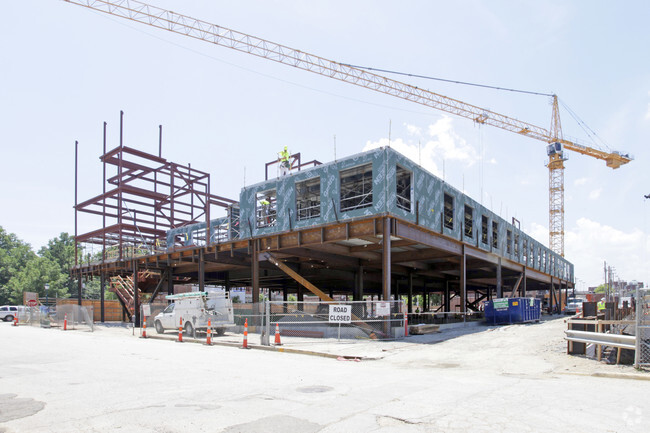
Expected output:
(271, 349)
(607, 375)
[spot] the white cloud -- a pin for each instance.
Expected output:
(595, 194)
(581, 181)
(413, 130)
(440, 143)
(589, 244)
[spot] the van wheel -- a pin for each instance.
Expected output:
(221, 331)
(189, 329)
(159, 327)
(8, 318)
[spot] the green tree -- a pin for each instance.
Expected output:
(601, 289)
(14, 256)
(60, 251)
(33, 277)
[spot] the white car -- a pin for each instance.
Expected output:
(573, 306)
(196, 309)
(9, 312)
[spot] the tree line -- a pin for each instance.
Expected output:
(24, 270)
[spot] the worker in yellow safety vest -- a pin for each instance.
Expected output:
(601, 305)
(283, 158)
(264, 205)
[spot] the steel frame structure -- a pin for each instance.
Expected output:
(187, 26)
(147, 195)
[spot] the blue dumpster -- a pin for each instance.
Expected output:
(512, 310)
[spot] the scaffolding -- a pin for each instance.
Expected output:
(308, 199)
(356, 187)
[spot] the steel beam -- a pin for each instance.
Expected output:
(386, 260)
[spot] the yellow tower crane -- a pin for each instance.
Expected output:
(556, 145)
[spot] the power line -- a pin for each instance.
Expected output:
(448, 81)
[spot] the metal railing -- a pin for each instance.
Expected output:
(642, 353)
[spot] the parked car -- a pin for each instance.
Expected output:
(9, 312)
(573, 306)
(196, 308)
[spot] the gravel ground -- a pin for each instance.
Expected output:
(514, 378)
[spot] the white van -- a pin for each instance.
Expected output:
(9, 312)
(195, 309)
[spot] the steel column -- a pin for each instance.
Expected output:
(102, 295)
(463, 282)
(386, 271)
(255, 272)
(499, 280)
(136, 295)
(410, 292)
(201, 272)
(170, 282)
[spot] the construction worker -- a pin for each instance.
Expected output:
(264, 205)
(283, 159)
(601, 305)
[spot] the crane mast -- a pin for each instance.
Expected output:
(176, 23)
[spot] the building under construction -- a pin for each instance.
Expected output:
(375, 223)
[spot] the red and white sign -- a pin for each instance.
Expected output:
(30, 299)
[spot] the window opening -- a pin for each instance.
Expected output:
(308, 199)
(524, 249)
(356, 187)
(517, 245)
(509, 241)
(404, 189)
(469, 222)
(449, 212)
(495, 234)
(267, 210)
(484, 229)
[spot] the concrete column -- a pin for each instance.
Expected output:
(285, 293)
(300, 293)
(522, 287)
(226, 282)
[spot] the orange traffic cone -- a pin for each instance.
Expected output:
(180, 331)
(144, 327)
(406, 324)
(245, 345)
(65, 322)
(277, 335)
(209, 340)
(16, 319)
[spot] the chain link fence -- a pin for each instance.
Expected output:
(63, 315)
(642, 300)
(374, 320)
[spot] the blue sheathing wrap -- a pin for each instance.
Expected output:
(427, 208)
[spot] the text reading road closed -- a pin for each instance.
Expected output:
(340, 314)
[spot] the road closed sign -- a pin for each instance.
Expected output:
(340, 314)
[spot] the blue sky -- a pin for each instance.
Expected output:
(67, 69)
